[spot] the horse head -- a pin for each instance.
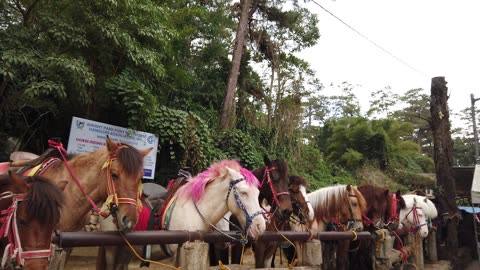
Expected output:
(416, 213)
(244, 202)
(124, 171)
(302, 208)
(353, 208)
(274, 187)
(31, 207)
(377, 199)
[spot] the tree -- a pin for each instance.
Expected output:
(382, 103)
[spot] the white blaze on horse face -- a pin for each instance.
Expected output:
(311, 214)
(248, 195)
(407, 216)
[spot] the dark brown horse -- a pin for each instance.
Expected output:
(30, 210)
(274, 181)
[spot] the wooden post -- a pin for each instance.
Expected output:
(194, 255)
(432, 245)
(443, 158)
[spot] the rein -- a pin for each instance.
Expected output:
(417, 225)
(112, 199)
(9, 229)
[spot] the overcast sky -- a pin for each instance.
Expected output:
(434, 38)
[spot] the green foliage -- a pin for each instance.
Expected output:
(238, 145)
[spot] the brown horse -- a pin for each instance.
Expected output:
(112, 174)
(337, 208)
(274, 189)
(30, 210)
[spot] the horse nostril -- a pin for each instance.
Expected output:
(126, 221)
(287, 212)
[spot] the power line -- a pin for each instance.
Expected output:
(369, 40)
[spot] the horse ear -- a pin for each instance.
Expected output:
(349, 188)
(62, 184)
(386, 192)
(266, 160)
(425, 200)
(145, 152)
(16, 180)
(398, 193)
(111, 145)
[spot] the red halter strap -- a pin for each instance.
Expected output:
(275, 195)
(9, 229)
(394, 215)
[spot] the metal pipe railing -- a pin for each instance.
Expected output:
(86, 239)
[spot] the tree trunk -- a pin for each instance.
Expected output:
(443, 158)
(228, 103)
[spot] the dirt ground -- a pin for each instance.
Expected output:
(85, 258)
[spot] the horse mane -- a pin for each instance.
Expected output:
(327, 202)
(370, 193)
(362, 203)
(44, 201)
(195, 188)
(426, 205)
(298, 180)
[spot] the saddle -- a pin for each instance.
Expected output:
(24, 162)
(158, 201)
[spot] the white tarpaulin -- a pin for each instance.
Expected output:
(476, 185)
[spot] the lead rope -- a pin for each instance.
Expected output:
(294, 261)
(145, 260)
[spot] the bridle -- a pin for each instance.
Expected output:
(394, 212)
(298, 208)
(112, 200)
(416, 225)
(248, 218)
(268, 180)
(349, 224)
(9, 229)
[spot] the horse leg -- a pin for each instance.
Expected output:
(342, 254)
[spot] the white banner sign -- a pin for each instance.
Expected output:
(88, 136)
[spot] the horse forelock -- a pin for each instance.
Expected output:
(196, 186)
(250, 178)
(362, 203)
(44, 201)
(131, 160)
(427, 207)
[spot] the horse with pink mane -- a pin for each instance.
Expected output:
(203, 201)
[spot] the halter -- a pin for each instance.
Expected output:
(112, 201)
(350, 222)
(298, 207)
(417, 225)
(275, 195)
(394, 215)
(9, 229)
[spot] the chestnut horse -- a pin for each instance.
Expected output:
(337, 208)
(112, 174)
(30, 210)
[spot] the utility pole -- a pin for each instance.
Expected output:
(475, 133)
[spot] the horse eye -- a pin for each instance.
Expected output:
(243, 193)
(114, 176)
(21, 221)
(354, 204)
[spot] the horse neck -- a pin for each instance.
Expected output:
(212, 206)
(87, 168)
(324, 206)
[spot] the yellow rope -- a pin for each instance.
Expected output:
(355, 236)
(144, 260)
(222, 266)
(294, 261)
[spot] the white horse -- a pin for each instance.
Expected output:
(414, 216)
(225, 186)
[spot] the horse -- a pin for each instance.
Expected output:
(337, 208)
(274, 190)
(413, 217)
(378, 214)
(203, 201)
(30, 210)
(302, 214)
(111, 174)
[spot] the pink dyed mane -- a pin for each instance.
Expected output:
(195, 188)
